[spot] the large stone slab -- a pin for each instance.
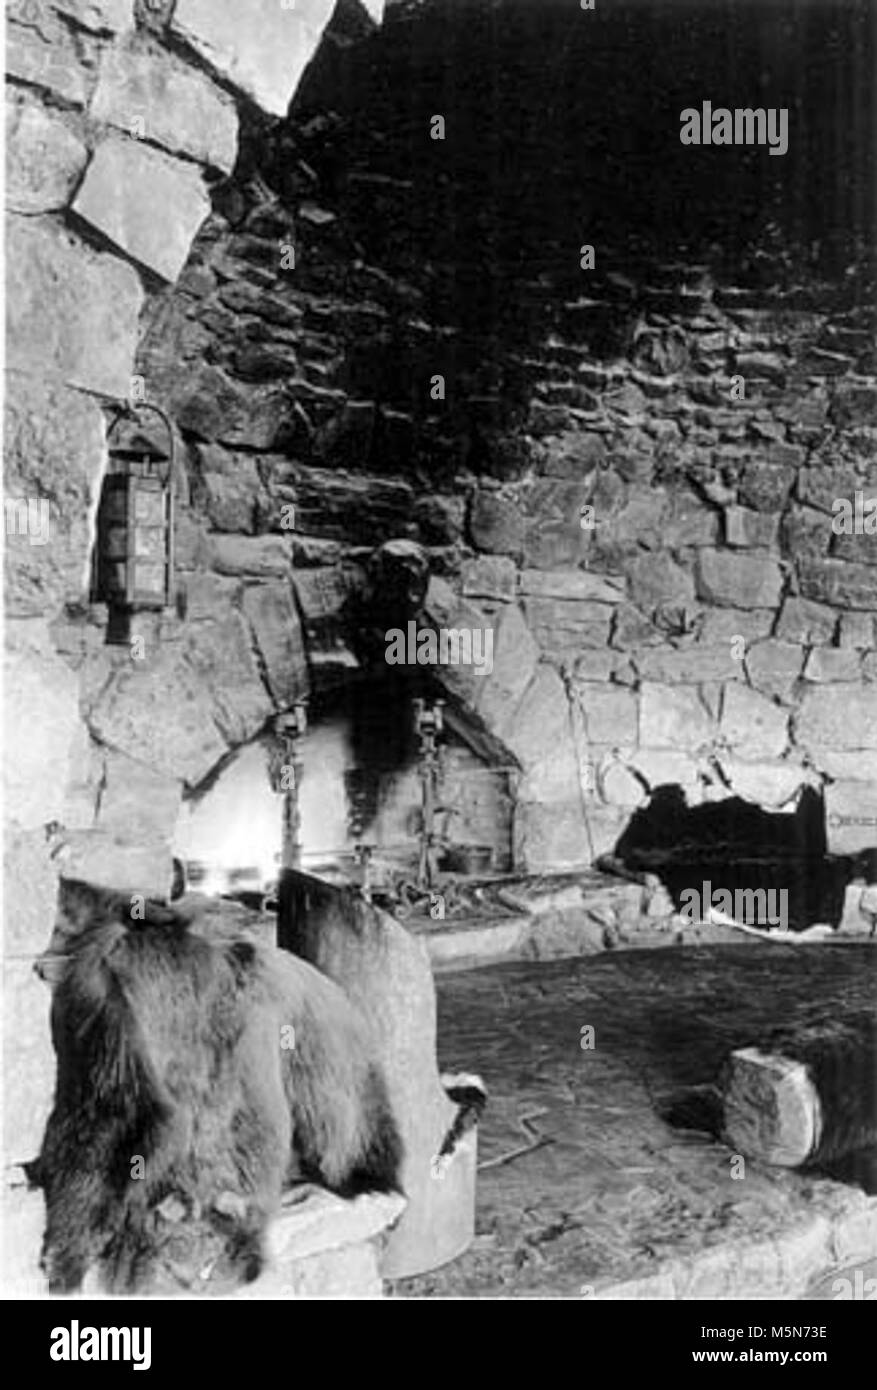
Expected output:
(563, 630)
(274, 621)
(47, 54)
(40, 719)
(839, 717)
(496, 524)
(443, 608)
(43, 157)
(515, 655)
(656, 581)
(160, 713)
(806, 622)
(97, 856)
(54, 454)
(259, 557)
(752, 725)
(774, 667)
(689, 666)
(555, 836)
(146, 203)
(739, 581)
(157, 98)
(571, 585)
(541, 738)
(672, 717)
(222, 654)
(851, 816)
(136, 802)
(833, 664)
(839, 584)
(71, 313)
(611, 715)
(262, 48)
(28, 1061)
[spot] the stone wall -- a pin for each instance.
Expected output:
(708, 401)
(122, 116)
(710, 628)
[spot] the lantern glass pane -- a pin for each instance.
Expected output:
(149, 542)
(149, 507)
(149, 578)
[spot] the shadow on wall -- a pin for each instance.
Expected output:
(735, 846)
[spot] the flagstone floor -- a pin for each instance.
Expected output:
(598, 1167)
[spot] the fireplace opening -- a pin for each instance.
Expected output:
(731, 859)
(360, 799)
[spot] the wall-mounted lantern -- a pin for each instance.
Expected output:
(134, 558)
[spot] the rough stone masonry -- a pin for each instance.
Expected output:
(650, 542)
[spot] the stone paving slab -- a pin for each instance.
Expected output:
(626, 1192)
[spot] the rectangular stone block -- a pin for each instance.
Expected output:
(690, 666)
(71, 313)
(672, 718)
(611, 715)
(137, 802)
(43, 157)
(158, 98)
(160, 713)
(839, 584)
(844, 765)
(774, 667)
(571, 585)
(54, 453)
(839, 717)
(739, 581)
(746, 528)
(47, 55)
(515, 654)
(563, 629)
(97, 856)
(41, 695)
(809, 623)
(28, 1060)
(221, 653)
(541, 738)
(148, 204)
(263, 49)
(753, 725)
(555, 836)
(490, 576)
(829, 664)
(857, 631)
(276, 629)
(851, 816)
(261, 557)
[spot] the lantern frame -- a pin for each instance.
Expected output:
(136, 523)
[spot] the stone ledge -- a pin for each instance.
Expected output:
(323, 1246)
(783, 1267)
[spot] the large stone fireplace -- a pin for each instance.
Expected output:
(628, 474)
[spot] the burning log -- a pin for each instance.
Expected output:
(807, 1098)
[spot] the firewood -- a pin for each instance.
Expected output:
(806, 1097)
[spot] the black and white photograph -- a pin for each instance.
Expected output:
(440, 672)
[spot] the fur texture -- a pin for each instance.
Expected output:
(227, 1067)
